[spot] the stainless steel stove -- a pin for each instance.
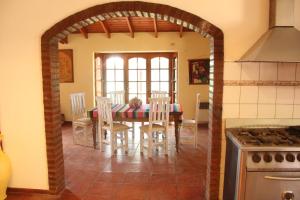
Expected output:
(262, 163)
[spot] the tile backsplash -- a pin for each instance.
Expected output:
(259, 100)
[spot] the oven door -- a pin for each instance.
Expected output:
(272, 186)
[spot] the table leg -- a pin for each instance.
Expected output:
(177, 134)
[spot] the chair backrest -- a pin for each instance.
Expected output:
(197, 109)
(78, 105)
(158, 94)
(104, 111)
(159, 110)
(117, 97)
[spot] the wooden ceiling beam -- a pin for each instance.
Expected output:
(155, 27)
(84, 32)
(105, 28)
(130, 27)
(181, 31)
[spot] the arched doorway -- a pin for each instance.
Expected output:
(50, 72)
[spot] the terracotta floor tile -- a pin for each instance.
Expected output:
(137, 178)
(162, 192)
(111, 177)
(190, 193)
(132, 191)
(91, 174)
(160, 178)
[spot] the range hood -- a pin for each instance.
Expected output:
(281, 43)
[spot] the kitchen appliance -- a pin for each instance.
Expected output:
(262, 163)
(281, 42)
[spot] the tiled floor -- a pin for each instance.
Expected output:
(94, 175)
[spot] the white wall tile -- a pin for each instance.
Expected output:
(297, 95)
(286, 71)
(298, 72)
(267, 94)
(284, 111)
(296, 113)
(285, 95)
(250, 71)
(231, 110)
(248, 110)
(266, 111)
(249, 94)
(231, 94)
(232, 71)
(268, 71)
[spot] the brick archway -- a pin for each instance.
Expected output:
(50, 72)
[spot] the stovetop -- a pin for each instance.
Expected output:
(286, 137)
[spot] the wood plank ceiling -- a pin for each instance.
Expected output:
(130, 25)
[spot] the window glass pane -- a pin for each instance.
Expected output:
(141, 87)
(142, 75)
(164, 62)
(155, 63)
(154, 75)
(164, 75)
(142, 97)
(132, 87)
(154, 86)
(119, 75)
(132, 63)
(119, 63)
(110, 86)
(110, 63)
(119, 86)
(132, 75)
(131, 96)
(164, 86)
(141, 63)
(110, 75)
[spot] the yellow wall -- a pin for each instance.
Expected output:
(190, 46)
(22, 25)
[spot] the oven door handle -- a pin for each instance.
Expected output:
(282, 178)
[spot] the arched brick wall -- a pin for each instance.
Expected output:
(50, 72)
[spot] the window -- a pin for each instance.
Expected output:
(137, 74)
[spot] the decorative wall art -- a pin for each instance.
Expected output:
(198, 71)
(65, 57)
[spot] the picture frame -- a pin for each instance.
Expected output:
(199, 71)
(65, 57)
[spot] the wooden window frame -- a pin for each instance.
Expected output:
(148, 56)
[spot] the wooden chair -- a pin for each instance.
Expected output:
(118, 97)
(158, 124)
(81, 124)
(158, 94)
(193, 123)
(117, 130)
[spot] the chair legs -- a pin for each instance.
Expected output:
(196, 136)
(114, 141)
(153, 141)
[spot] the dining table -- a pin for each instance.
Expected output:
(124, 113)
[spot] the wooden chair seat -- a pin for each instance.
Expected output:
(83, 121)
(155, 127)
(117, 127)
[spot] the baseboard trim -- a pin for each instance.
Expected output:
(27, 191)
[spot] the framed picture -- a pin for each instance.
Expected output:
(65, 57)
(199, 71)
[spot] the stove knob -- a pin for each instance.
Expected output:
(256, 158)
(279, 157)
(298, 157)
(267, 157)
(290, 157)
